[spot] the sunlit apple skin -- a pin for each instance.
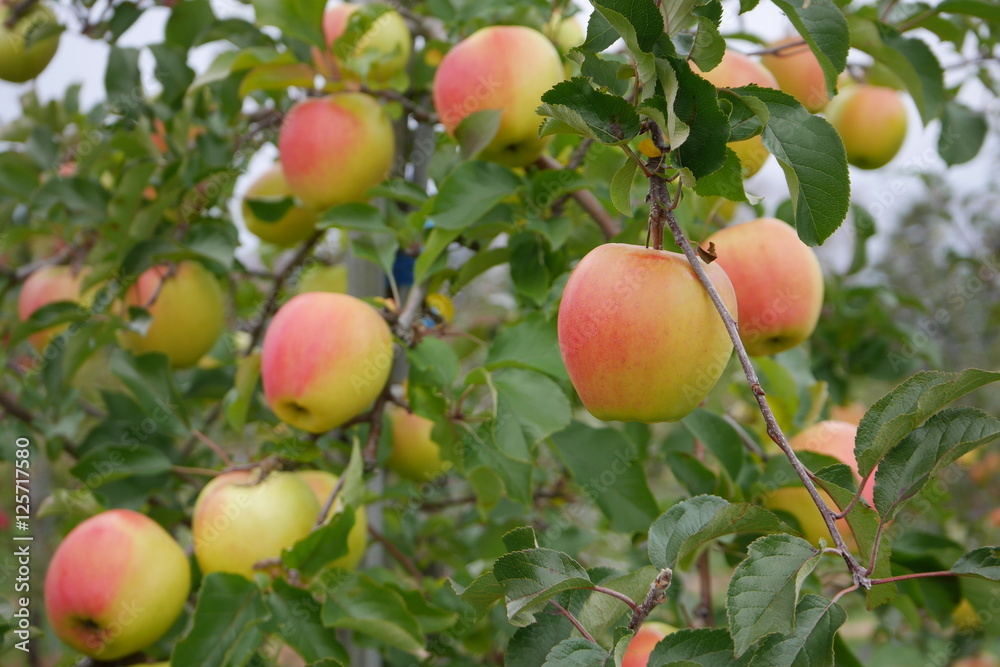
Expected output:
(296, 225)
(798, 73)
(116, 584)
(238, 522)
(872, 123)
(188, 312)
(797, 502)
(18, 64)
(500, 67)
(414, 455)
(639, 335)
(325, 358)
(49, 284)
(836, 439)
(778, 283)
(643, 643)
(734, 71)
(389, 37)
(322, 484)
(334, 149)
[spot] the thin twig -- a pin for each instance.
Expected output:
(656, 595)
(214, 446)
(747, 441)
(187, 470)
(330, 500)
(18, 11)
(15, 409)
(704, 609)
(587, 201)
(572, 619)
(395, 552)
(618, 596)
(779, 50)
(854, 500)
(370, 453)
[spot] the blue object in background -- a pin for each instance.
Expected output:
(402, 270)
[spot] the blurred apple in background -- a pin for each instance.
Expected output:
(297, 223)
(414, 455)
(37, 26)
(322, 484)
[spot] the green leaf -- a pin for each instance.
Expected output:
(269, 209)
(984, 10)
(476, 131)
(532, 343)
(122, 79)
(172, 72)
(720, 437)
(727, 181)
(150, 379)
(683, 528)
(295, 616)
(361, 604)
(322, 546)
(227, 625)
(49, 315)
(484, 592)
(983, 562)
(520, 539)
(437, 243)
(236, 403)
(963, 131)
(532, 577)
(709, 45)
(897, 413)
(187, 21)
(606, 466)
(302, 20)
(704, 646)
(600, 34)
(643, 15)
(534, 400)
(824, 28)
(109, 463)
(621, 187)
(607, 118)
(436, 357)
(576, 652)
(470, 192)
(864, 229)
(603, 70)
(697, 106)
(600, 612)
(811, 644)
(529, 645)
(764, 589)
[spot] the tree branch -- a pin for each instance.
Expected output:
(11, 405)
(587, 201)
(332, 498)
(394, 551)
(656, 595)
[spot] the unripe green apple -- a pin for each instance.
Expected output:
(325, 358)
(187, 307)
(49, 284)
(643, 643)
(414, 455)
(639, 334)
(323, 279)
(798, 73)
(388, 40)
(836, 439)
(778, 283)
(322, 484)
(735, 70)
(17, 63)
(335, 148)
(296, 225)
(239, 521)
(796, 501)
(501, 67)
(565, 32)
(872, 122)
(116, 584)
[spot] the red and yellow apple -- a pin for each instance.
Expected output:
(871, 121)
(240, 519)
(187, 308)
(322, 484)
(387, 41)
(297, 224)
(643, 643)
(735, 70)
(797, 71)
(335, 148)
(18, 63)
(639, 334)
(414, 455)
(325, 358)
(836, 439)
(116, 584)
(501, 67)
(49, 284)
(778, 283)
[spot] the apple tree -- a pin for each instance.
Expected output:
(462, 333)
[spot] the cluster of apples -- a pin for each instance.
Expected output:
(19, 61)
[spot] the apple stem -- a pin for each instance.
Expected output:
(773, 430)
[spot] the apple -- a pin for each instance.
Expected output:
(187, 307)
(335, 148)
(836, 439)
(240, 519)
(778, 283)
(17, 63)
(388, 40)
(565, 32)
(966, 618)
(49, 284)
(639, 335)
(735, 70)
(325, 358)
(851, 413)
(643, 643)
(872, 122)
(322, 484)
(414, 455)
(116, 584)
(796, 501)
(798, 73)
(501, 67)
(296, 225)
(321, 278)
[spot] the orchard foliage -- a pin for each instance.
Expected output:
(550, 537)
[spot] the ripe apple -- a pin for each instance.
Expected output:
(639, 335)
(501, 67)
(325, 358)
(836, 439)
(388, 40)
(778, 283)
(798, 73)
(872, 122)
(414, 455)
(335, 148)
(297, 224)
(240, 520)
(851, 413)
(323, 279)
(643, 643)
(797, 502)
(735, 70)
(322, 484)
(187, 307)
(17, 63)
(49, 284)
(116, 584)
